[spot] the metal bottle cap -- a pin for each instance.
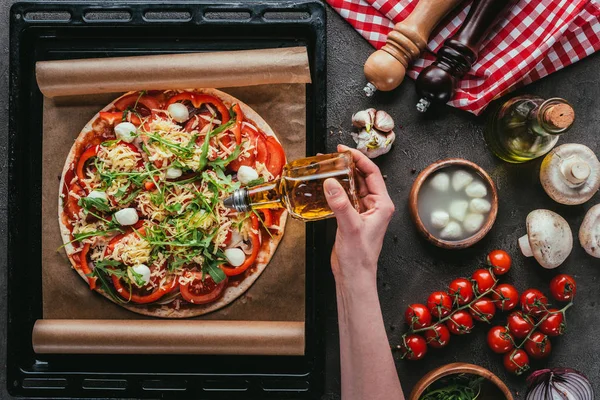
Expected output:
(238, 201)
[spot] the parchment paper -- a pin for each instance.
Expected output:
(278, 294)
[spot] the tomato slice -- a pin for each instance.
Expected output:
(254, 236)
(202, 292)
(276, 157)
(89, 153)
(85, 266)
(72, 206)
(114, 118)
(144, 298)
(199, 99)
(130, 100)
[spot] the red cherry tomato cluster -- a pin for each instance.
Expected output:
(527, 332)
(456, 310)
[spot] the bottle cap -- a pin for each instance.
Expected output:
(560, 115)
(238, 201)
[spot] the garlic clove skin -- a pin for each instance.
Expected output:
(364, 119)
(383, 121)
(374, 143)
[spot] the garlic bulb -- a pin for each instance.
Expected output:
(374, 143)
(383, 121)
(364, 119)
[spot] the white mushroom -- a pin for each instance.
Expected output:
(548, 239)
(441, 182)
(480, 206)
(570, 174)
(439, 219)
(373, 143)
(451, 231)
(589, 232)
(473, 222)
(461, 179)
(458, 209)
(476, 189)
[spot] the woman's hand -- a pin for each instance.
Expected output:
(359, 236)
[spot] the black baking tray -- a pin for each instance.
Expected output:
(59, 30)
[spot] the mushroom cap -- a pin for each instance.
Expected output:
(550, 237)
(589, 232)
(557, 185)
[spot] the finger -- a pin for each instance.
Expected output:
(347, 217)
(361, 186)
(371, 172)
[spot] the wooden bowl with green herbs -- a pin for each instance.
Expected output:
(460, 381)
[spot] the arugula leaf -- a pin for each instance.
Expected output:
(220, 162)
(174, 208)
(216, 273)
(137, 278)
(80, 236)
(256, 181)
(204, 154)
(122, 190)
(94, 202)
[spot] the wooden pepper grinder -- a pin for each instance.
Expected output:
(385, 68)
(438, 81)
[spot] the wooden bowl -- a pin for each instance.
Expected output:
(458, 368)
(414, 209)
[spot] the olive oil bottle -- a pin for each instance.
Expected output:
(527, 127)
(300, 188)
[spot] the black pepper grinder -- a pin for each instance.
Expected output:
(438, 81)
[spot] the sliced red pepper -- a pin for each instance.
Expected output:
(123, 291)
(89, 153)
(182, 97)
(237, 128)
(72, 206)
(200, 99)
(255, 238)
(85, 268)
(130, 100)
(276, 157)
(267, 217)
(114, 118)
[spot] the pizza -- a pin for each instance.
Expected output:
(140, 205)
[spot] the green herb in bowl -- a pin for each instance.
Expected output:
(455, 387)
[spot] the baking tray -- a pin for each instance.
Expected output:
(53, 31)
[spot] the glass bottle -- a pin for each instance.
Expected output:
(527, 127)
(300, 188)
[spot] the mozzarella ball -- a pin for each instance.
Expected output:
(451, 231)
(246, 174)
(235, 256)
(96, 194)
(178, 112)
(473, 222)
(142, 270)
(126, 131)
(461, 179)
(441, 182)
(476, 189)
(439, 219)
(458, 209)
(126, 216)
(480, 206)
(173, 173)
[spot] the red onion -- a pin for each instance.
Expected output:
(559, 384)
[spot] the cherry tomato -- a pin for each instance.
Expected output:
(500, 261)
(483, 309)
(417, 316)
(461, 290)
(483, 280)
(414, 347)
(460, 323)
(538, 345)
(440, 304)
(506, 297)
(516, 362)
(553, 324)
(500, 340)
(438, 336)
(533, 302)
(563, 287)
(519, 324)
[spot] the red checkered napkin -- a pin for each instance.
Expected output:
(534, 39)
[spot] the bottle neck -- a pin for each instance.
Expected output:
(553, 117)
(266, 195)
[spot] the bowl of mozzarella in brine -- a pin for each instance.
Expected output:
(453, 203)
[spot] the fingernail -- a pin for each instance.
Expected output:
(330, 187)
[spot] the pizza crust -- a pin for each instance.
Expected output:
(230, 293)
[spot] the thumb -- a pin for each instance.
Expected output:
(347, 217)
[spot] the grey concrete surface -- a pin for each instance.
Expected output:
(410, 268)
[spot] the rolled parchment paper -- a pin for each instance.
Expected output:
(175, 71)
(55, 336)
